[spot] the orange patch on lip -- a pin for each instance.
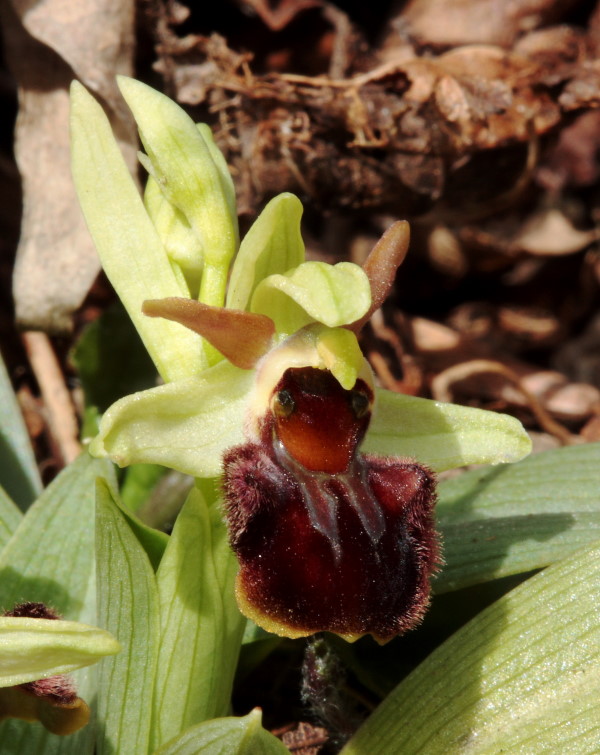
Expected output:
(321, 430)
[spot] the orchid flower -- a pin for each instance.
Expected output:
(265, 386)
(37, 649)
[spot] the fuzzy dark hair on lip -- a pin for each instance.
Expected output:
(328, 538)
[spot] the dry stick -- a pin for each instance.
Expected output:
(62, 420)
(440, 386)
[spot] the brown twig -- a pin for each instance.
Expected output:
(62, 420)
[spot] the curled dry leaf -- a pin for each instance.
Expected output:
(47, 45)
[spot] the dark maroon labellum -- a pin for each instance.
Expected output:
(328, 538)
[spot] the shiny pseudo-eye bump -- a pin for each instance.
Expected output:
(327, 538)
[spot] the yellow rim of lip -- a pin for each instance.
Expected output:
(280, 628)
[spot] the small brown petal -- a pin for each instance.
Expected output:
(381, 265)
(242, 337)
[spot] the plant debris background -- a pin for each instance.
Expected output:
(475, 120)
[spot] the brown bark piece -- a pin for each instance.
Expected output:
(47, 45)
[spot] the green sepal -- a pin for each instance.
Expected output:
(443, 436)
(334, 295)
(185, 425)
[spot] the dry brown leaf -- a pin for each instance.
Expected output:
(47, 45)
(550, 232)
(462, 22)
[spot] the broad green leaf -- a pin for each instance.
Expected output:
(272, 245)
(226, 736)
(513, 519)
(443, 436)
(50, 559)
(522, 677)
(33, 649)
(19, 474)
(183, 165)
(128, 608)
(314, 291)
(132, 254)
(10, 517)
(153, 541)
(184, 425)
(201, 626)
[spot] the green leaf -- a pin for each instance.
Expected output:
(127, 607)
(186, 425)
(226, 736)
(183, 165)
(19, 474)
(10, 518)
(272, 245)
(510, 520)
(443, 436)
(110, 359)
(523, 676)
(152, 541)
(50, 559)
(314, 291)
(132, 254)
(201, 624)
(33, 649)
